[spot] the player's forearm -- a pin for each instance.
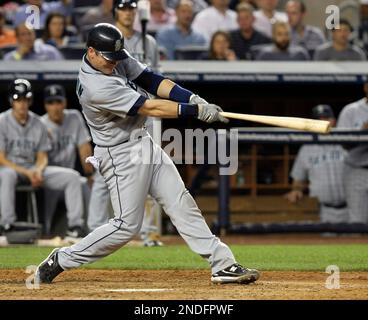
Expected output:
(159, 108)
(298, 185)
(41, 161)
(165, 88)
(85, 151)
(160, 86)
(6, 163)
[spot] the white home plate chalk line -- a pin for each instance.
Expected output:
(138, 290)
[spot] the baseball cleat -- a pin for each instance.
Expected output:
(49, 268)
(235, 274)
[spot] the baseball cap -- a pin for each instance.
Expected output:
(54, 92)
(322, 111)
(119, 4)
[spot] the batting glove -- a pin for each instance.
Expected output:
(210, 113)
(196, 99)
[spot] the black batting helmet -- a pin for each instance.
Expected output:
(108, 41)
(19, 88)
(322, 111)
(119, 4)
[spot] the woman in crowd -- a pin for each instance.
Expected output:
(220, 47)
(56, 32)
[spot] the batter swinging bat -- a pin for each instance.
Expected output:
(318, 126)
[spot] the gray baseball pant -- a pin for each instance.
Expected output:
(356, 190)
(129, 183)
(100, 207)
(55, 178)
(52, 197)
(333, 215)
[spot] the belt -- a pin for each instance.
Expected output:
(339, 206)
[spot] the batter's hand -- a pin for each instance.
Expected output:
(210, 113)
(196, 99)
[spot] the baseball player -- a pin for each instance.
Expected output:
(124, 13)
(354, 116)
(23, 158)
(68, 133)
(321, 165)
(132, 164)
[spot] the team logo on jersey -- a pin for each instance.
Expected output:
(118, 45)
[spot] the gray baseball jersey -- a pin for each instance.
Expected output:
(322, 166)
(353, 117)
(65, 138)
(110, 105)
(134, 45)
(21, 143)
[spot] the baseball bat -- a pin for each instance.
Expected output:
(312, 125)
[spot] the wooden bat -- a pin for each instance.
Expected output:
(312, 125)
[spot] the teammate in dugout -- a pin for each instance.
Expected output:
(98, 213)
(23, 159)
(68, 133)
(322, 165)
(115, 107)
(354, 116)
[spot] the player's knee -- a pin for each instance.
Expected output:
(74, 177)
(7, 175)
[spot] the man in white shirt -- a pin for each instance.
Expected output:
(267, 15)
(217, 16)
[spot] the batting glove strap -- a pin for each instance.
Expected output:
(210, 113)
(187, 110)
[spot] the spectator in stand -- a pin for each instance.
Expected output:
(267, 15)
(7, 36)
(281, 49)
(161, 17)
(340, 48)
(181, 34)
(198, 5)
(29, 48)
(102, 13)
(217, 16)
(220, 48)
(64, 7)
(245, 37)
(309, 37)
(55, 32)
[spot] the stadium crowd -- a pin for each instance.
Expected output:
(221, 30)
(183, 29)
